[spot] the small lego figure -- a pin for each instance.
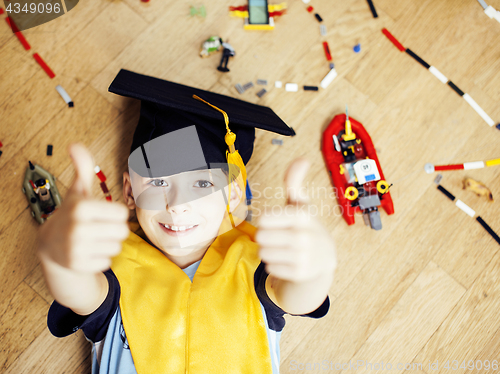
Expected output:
(42, 187)
(226, 53)
(211, 45)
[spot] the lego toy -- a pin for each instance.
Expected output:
(49, 150)
(430, 168)
(40, 188)
(99, 174)
(327, 51)
(291, 87)
(469, 211)
(277, 141)
(372, 8)
(318, 17)
(332, 74)
(226, 53)
(210, 46)
(239, 88)
(258, 14)
(442, 78)
(262, 82)
(322, 30)
(278, 84)
(247, 86)
(201, 11)
(65, 96)
(18, 33)
(489, 10)
(311, 88)
(357, 48)
(261, 92)
(44, 66)
(358, 180)
(478, 188)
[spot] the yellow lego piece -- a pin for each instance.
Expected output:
(239, 13)
(276, 7)
(269, 26)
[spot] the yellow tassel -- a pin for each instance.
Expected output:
(232, 155)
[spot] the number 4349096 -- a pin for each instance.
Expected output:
(471, 365)
(33, 8)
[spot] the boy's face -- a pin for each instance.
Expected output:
(181, 214)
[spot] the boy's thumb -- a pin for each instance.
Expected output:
(294, 182)
(84, 167)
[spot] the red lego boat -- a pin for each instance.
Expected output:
(358, 180)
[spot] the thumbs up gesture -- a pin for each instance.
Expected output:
(294, 246)
(84, 233)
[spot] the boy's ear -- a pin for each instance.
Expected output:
(237, 196)
(128, 195)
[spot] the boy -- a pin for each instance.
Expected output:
(191, 295)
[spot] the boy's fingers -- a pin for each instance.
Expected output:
(288, 218)
(99, 231)
(100, 211)
(84, 167)
(294, 180)
(273, 255)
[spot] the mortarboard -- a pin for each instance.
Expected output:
(177, 133)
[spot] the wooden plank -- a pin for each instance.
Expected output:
(22, 321)
(413, 320)
(470, 325)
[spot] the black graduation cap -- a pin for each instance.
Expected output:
(169, 108)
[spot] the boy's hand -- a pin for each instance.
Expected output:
(293, 244)
(84, 233)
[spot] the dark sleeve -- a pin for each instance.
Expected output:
(274, 313)
(62, 321)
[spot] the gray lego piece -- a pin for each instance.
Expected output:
(261, 92)
(370, 201)
(375, 221)
(438, 178)
(248, 85)
(277, 141)
(262, 82)
(239, 88)
(483, 4)
(322, 30)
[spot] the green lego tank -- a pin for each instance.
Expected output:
(40, 188)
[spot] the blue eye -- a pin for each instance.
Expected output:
(203, 184)
(158, 183)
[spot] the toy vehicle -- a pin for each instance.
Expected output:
(358, 180)
(40, 188)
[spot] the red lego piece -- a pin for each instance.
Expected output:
(327, 51)
(394, 40)
(238, 8)
(100, 174)
(104, 188)
(18, 33)
(449, 167)
(277, 13)
(109, 196)
(310, 9)
(1, 145)
(1, 11)
(44, 66)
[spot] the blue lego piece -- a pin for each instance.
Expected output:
(249, 194)
(357, 48)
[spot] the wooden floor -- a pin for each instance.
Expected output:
(423, 289)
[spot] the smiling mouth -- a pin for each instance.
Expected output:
(177, 230)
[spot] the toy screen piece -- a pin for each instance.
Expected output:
(257, 12)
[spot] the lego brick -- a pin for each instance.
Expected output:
(318, 17)
(262, 82)
(306, 1)
(310, 9)
(488, 229)
(329, 78)
(438, 178)
(371, 201)
(393, 40)
(416, 57)
(65, 96)
(357, 48)
(465, 208)
(239, 88)
(327, 51)
(372, 8)
(1, 145)
(18, 33)
(104, 188)
(311, 88)
(483, 4)
(278, 84)
(100, 174)
(44, 66)
(261, 92)
(438, 74)
(449, 167)
(277, 141)
(478, 109)
(474, 165)
(455, 88)
(49, 150)
(248, 85)
(445, 191)
(1, 10)
(490, 11)
(322, 30)
(292, 87)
